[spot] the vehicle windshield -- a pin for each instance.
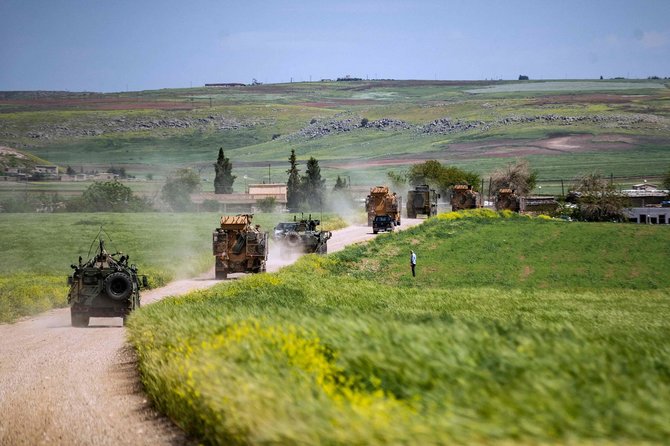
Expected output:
(285, 226)
(382, 218)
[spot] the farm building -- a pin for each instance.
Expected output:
(649, 204)
(651, 215)
(645, 194)
(242, 202)
(51, 171)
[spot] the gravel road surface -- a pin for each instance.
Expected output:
(61, 385)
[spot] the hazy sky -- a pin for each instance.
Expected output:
(114, 45)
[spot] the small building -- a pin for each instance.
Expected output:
(242, 202)
(50, 171)
(642, 195)
(104, 176)
(650, 215)
(278, 191)
(538, 204)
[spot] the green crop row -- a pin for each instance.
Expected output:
(501, 338)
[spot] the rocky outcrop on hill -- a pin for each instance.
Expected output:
(444, 126)
(318, 129)
(131, 124)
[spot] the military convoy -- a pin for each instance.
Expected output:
(422, 200)
(239, 246)
(381, 201)
(103, 287)
(301, 236)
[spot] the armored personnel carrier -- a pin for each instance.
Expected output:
(301, 236)
(239, 246)
(507, 199)
(103, 287)
(464, 197)
(382, 202)
(422, 200)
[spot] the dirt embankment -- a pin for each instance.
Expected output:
(61, 385)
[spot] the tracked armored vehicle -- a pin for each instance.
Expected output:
(301, 237)
(103, 287)
(239, 246)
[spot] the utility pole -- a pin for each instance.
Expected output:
(269, 177)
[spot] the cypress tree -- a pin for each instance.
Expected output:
(224, 179)
(313, 185)
(293, 192)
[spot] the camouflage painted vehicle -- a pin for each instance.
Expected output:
(507, 199)
(103, 287)
(301, 237)
(464, 197)
(239, 246)
(382, 202)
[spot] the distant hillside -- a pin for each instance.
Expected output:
(358, 129)
(15, 158)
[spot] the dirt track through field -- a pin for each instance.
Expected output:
(61, 385)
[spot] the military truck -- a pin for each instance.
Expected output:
(382, 202)
(301, 236)
(464, 197)
(239, 246)
(506, 199)
(422, 200)
(103, 287)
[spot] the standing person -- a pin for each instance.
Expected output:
(412, 262)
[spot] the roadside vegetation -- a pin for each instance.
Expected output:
(38, 249)
(515, 330)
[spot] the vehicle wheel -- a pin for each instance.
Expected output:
(118, 286)
(79, 319)
(293, 239)
(374, 232)
(221, 274)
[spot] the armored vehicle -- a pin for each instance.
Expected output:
(464, 197)
(382, 223)
(301, 236)
(239, 246)
(103, 287)
(506, 199)
(422, 200)
(382, 202)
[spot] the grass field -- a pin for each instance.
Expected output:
(38, 249)
(515, 331)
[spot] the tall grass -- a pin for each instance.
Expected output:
(350, 349)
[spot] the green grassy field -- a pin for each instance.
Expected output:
(515, 331)
(38, 249)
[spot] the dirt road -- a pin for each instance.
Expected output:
(61, 385)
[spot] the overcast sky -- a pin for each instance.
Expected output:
(115, 45)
